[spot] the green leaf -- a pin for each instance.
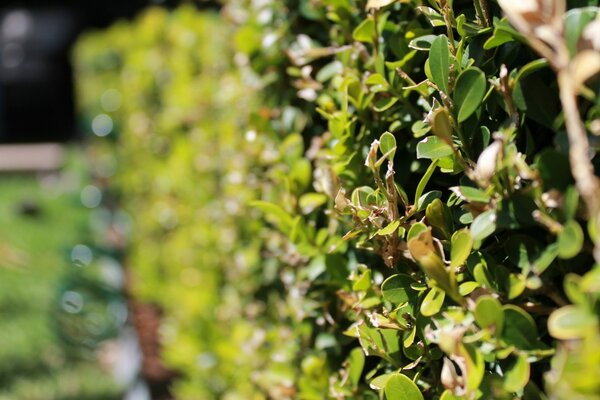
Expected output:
(571, 202)
(379, 382)
(360, 195)
(438, 216)
(310, 201)
(466, 288)
(363, 283)
(468, 92)
(420, 128)
(483, 226)
(422, 43)
(475, 365)
(433, 301)
(516, 374)
(275, 215)
(530, 68)
(498, 38)
(570, 240)
(356, 362)
(389, 229)
(519, 328)
(572, 322)
(365, 32)
(376, 79)
(466, 29)
(448, 395)
(423, 251)
(434, 17)
(516, 285)
(428, 198)
(439, 62)
(400, 387)
(384, 103)
(489, 313)
(554, 168)
(424, 180)
(433, 148)
(441, 125)
(461, 246)
(415, 230)
(387, 145)
(471, 194)
(575, 21)
(396, 289)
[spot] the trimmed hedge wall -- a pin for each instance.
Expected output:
(350, 199)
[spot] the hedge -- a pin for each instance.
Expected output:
(350, 199)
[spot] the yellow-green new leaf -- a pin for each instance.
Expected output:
(461, 246)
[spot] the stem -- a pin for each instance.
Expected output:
(482, 12)
(586, 181)
(447, 19)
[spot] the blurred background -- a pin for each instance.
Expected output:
(36, 38)
(66, 318)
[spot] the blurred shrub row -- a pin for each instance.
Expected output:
(350, 199)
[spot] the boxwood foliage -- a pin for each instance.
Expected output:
(350, 199)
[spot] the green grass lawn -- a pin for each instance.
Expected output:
(34, 261)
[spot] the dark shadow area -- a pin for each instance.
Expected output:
(36, 83)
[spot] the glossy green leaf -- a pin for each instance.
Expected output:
(519, 328)
(530, 68)
(438, 216)
(433, 148)
(468, 93)
(397, 288)
(425, 179)
(422, 43)
(433, 301)
(387, 145)
(400, 387)
(439, 62)
(489, 313)
(389, 229)
(441, 125)
(498, 38)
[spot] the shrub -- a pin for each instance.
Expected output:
(408, 209)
